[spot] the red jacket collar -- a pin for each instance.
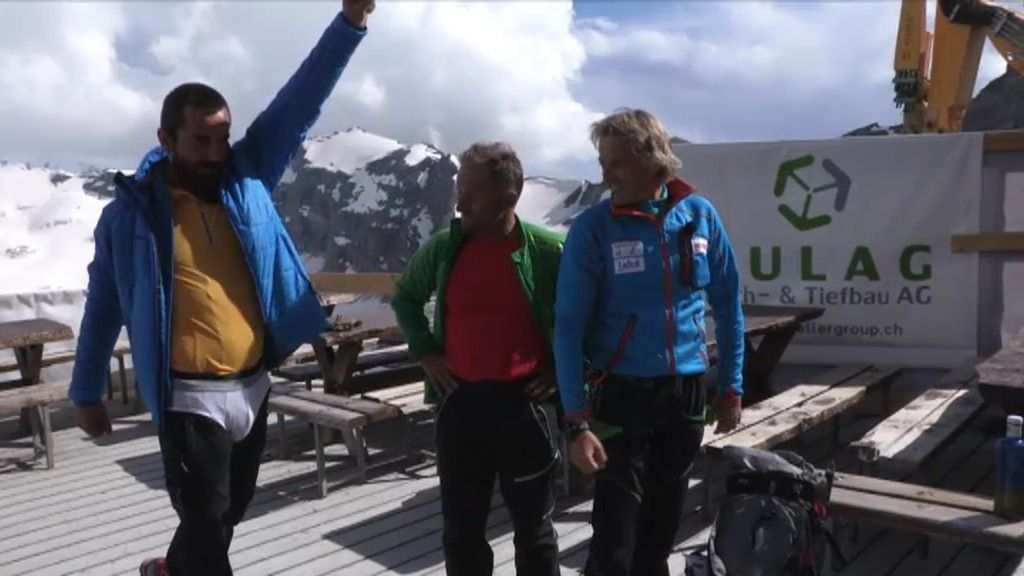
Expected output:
(678, 190)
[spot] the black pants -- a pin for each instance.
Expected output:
(486, 430)
(638, 497)
(210, 480)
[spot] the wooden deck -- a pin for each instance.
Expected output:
(104, 509)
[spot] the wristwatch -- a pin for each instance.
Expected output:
(574, 429)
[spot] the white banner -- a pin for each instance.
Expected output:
(860, 227)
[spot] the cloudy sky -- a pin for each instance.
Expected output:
(81, 83)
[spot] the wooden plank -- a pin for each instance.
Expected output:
(390, 355)
(1005, 368)
(396, 392)
(382, 284)
(300, 372)
(378, 379)
(1003, 141)
(903, 428)
(915, 492)
(936, 520)
(375, 411)
(798, 394)
(322, 414)
(19, 333)
(62, 357)
(815, 410)
(12, 401)
(934, 429)
(987, 242)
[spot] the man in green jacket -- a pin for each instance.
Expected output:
(489, 361)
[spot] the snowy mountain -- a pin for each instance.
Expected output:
(46, 225)
(352, 200)
(358, 202)
(555, 203)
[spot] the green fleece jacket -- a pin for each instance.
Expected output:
(427, 275)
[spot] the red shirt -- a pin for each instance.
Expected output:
(490, 329)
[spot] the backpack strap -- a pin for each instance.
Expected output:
(775, 484)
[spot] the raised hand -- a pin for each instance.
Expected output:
(358, 11)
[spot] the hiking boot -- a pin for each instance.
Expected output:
(154, 567)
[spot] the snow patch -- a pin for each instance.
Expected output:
(348, 151)
(424, 225)
(367, 196)
(342, 241)
(312, 263)
(420, 152)
(543, 202)
(47, 220)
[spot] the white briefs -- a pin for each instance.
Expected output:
(233, 404)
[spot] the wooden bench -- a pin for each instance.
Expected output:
(37, 397)
(786, 415)
(374, 370)
(901, 442)
(944, 514)
(346, 414)
(69, 356)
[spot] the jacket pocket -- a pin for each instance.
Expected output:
(694, 269)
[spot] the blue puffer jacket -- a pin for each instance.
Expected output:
(131, 275)
(631, 295)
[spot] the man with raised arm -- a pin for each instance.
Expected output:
(192, 257)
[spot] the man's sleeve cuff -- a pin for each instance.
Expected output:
(577, 416)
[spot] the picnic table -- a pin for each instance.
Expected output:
(1001, 376)
(337, 351)
(27, 339)
(775, 326)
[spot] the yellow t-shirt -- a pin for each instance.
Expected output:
(216, 323)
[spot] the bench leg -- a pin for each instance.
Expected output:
(44, 415)
(124, 380)
(407, 448)
(35, 422)
(282, 440)
(709, 468)
(353, 442)
(321, 475)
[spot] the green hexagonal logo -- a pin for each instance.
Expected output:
(806, 218)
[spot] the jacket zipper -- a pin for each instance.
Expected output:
(620, 351)
(670, 309)
(163, 363)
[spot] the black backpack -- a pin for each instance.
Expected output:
(771, 521)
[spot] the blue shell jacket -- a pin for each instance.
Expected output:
(131, 274)
(631, 290)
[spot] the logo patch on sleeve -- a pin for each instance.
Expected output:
(628, 257)
(699, 244)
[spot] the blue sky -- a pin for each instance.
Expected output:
(82, 83)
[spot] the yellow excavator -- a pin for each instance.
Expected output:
(935, 71)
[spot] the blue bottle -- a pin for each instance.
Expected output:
(1009, 490)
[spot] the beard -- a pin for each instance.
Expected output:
(201, 179)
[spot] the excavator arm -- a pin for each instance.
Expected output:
(935, 73)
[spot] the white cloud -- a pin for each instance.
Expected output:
(83, 82)
(439, 72)
(59, 82)
(754, 70)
